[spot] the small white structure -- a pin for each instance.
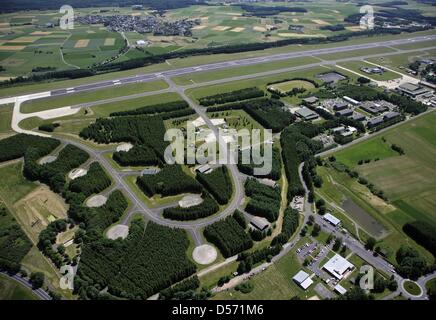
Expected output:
(351, 100)
(332, 219)
(124, 147)
(338, 267)
(190, 201)
(340, 289)
(218, 122)
(303, 279)
(204, 168)
(198, 122)
(141, 43)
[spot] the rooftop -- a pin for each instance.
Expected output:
(338, 266)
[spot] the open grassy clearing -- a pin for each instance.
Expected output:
(260, 82)
(83, 97)
(17, 187)
(406, 180)
(357, 65)
(292, 84)
(5, 120)
(23, 89)
(415, 45)
(12, 290)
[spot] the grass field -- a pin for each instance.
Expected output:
(12, 290)
(190, 61)
(412, 288)
(292, 84)
(401, 61)
(260, 82)
(17, 187)
(78, 98)
(406, 180)
(5, 120)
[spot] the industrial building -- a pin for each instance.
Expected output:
(338, 267)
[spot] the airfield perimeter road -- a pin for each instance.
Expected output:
(237, 63)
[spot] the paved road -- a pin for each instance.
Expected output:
(40, 293)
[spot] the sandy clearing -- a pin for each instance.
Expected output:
(198, 27)
(135, 14)
(238, 29)
(221, 28)
(40, 33)
(204, 18)
(4, 24)
(109, 41)
(320, 22)
(190, 201)
(259, 29)
(204, 254)
(118, 231)
(11, 48)
(77, 173)
(96, 201)
(124, 147)
(295, 20)
(24, 40)
(5, 78)
(83, 43)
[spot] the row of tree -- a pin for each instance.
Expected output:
(149, 260)
(423, 233)
(153, 109)
(228, 236)
(207, 208)
(264, 200)
(217, 183)
(268, 112)
(237, 95)
(95, 181)
(171, 180)
(289, 226)
(276, 166)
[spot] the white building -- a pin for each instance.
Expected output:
(303, 279)
(141, 42)
(340, 289)
(338, 267)
(332, 219)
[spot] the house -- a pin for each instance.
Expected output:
(340, 105)
(338, 267)
(344, 113)
(374, 107)
(303, 279)
(306, 114)
(358, 116)
(390, 115)
(351, 100)
(260, 223)
(332, 219)
(310, 100)
(411, 90)
(374, 122)
(340, 289)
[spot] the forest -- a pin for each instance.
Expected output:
(217, 183)
(228, 236)
(171, 180)
(53, 173)
(268, 112)
(276, 167)
(139, 155)
(140, 130)
(15, 147)
(264, 200)
(14, 243)
(207, 208)
(289, 226)
(150, 259)
(237, 95)
(153, 109)
(423, 233)
(95, 181)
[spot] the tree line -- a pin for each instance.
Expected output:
(264, 200)
(228, 236)
(95, 181)
(217, 183)
(207, 208)
(232, 96)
